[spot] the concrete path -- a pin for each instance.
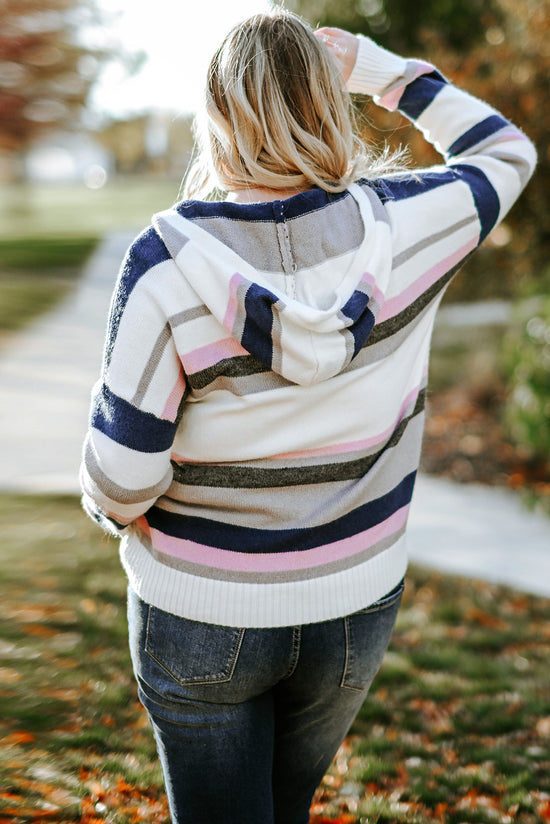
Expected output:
(46, 375)
(45, 379)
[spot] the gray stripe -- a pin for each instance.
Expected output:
(285, 576)
(240, 382)
(330, 232)
(276, 335)
(120, 494)
(254, 241)
(350, 347)
(173, 239)
(240, 315)
(297, 508)
(152, 365)
(187, 315)
(407, 254)
(378, 209)
(314, 237)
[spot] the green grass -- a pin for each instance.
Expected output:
(456, 729)
(64, 210)
(73, 729)
(36, 273)
(35, 253)
(47, 231)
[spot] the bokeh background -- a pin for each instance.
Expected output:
(97, 99)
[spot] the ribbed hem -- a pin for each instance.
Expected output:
(375, 68)
(246, 605)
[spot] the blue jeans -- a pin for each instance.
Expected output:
(247, 721)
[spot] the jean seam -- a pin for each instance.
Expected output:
(295, 653)
(347, 631)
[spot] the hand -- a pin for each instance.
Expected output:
(343, 47)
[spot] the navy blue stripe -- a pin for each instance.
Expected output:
(357, 305)
(485, 197)
(301, 204)
(146, 251)
(357, 308)
(420, 93)
(128, 426)
(256, 336)
(402, 188)
(361, 331)
(246, 539)
(477, 133)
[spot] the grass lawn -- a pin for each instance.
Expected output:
(36, 273)
(62, 210)
(457, 727)
(47, 231)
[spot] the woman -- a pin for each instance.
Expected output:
(255, 434)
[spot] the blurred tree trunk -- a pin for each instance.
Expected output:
(46, 68)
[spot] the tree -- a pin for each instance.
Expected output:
(401, 25)
(46, 70)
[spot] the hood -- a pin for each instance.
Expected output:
(300, 342)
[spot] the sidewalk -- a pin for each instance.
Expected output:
(46, 375)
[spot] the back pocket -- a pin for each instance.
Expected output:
(192, 652)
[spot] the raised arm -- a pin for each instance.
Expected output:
(478, 144)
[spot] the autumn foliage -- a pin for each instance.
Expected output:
(456, 729)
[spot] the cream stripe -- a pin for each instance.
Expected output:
(262, 605)
(120, 494)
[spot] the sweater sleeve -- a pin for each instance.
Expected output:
(138, 400)
(482, 149)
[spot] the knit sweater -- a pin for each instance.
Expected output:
(255, 434)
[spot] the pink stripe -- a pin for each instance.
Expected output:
(233, 304)
(205, 356)
(392, 306)
(510, 136)
(391, 100)
(172, 404)
(279, 561)
(376, 293)
(118, 518)
(353, 446)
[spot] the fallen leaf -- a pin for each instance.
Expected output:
(19, 737)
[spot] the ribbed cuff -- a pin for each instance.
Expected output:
(375, 68)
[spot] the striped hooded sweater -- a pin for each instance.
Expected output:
(256, 431)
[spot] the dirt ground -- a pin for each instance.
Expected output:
(465, 441)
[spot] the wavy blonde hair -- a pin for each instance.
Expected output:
(277, 115)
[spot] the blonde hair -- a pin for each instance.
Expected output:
(277, 115)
